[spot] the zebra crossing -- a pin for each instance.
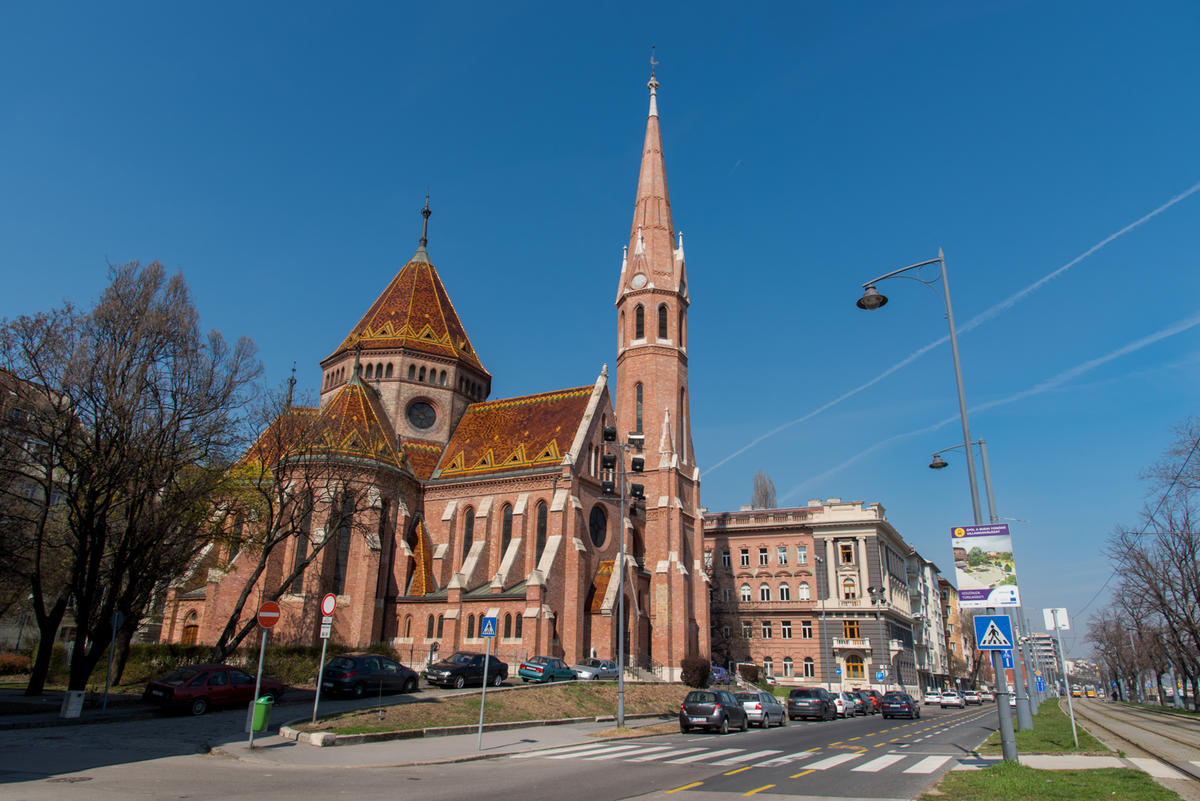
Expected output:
(812, 759)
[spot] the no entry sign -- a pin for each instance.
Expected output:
(268, 614)
(328, 604)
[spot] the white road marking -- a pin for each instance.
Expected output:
(636, 753)
(705, 755)
(832, 761)
(594, 752)
(563, 750)
(928, 764)
(783, 760)
(679, 752)
(748, 757)
(876, 765)
(620, 751)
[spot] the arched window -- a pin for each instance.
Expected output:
(442, 378)
(342, 555)
(429, 629)
(408, 626)
(412, 372)
(849, 592)
(421, 375)
(803, 593)
(598, 525)
(388, 372)
(370, 370)
(639, 323)
(784, 593)
(621, 331)
(470, 627)
(468, 530)
(764, 592)
(810, 667)
(663, 332)
(507, 626)
(517, 623)
(191, 629)
(787, 666)
(854, 666)
(506, 528)
(768, 666)
(680, 320)
(638, 399)
(542, 516)
(744, 593)
(441, 621)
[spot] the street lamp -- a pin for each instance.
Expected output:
(871, 300)
(938, 463)
(827, 665)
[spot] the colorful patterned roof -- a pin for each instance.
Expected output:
(284, 436)
(600, 585)
(514, 434)
(422, 578)
(422, 457)
(414, 312)
(353, 424)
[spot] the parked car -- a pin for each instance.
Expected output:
(933, 697)
(359, 674)
(810, 702)
(877, 697)
(719, 675)
(868, 702)
(986, 695)
(951, 698)
(896, 704)
(763, 709)
(846, 704)
(463, 668)
(545, 669)
(596, 670)
(197, 688)
(972, 698)
(712, 709)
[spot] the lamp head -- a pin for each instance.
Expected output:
(871, 298)
(937, 463)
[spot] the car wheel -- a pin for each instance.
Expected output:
(746, 723)
(359, 690)
(459, 682)
(724, 726)
(684, 729)
(783, 720)
(496, 680)
(410, 685)
(199, 706)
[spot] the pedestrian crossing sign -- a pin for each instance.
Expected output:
(487, 627)
(993, 632)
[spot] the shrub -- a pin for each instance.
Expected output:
(694, 672)
(748, 672)
(11, 664)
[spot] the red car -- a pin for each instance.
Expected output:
(198, 687)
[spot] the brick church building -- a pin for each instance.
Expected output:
(497, 508)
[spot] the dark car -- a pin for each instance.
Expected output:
(868, 702)
(196, 688)
(359, 674)
(896, 704)
(712, 709)
(465, 668)
(810, 702)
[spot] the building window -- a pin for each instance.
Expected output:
(768, 666)
(638, 410)
(803, 592)
(639, 322)
(787, 666)
(598, 525)
(850, 629)
(762, 557)
(470, 627)
(810, 669)
(766, 629)
(506, 528)
(429, 628)
(849, 590)
(745, 592)
(301, 555)
(517, 623)
(342, 555)
(662, 321)
(441, 622)
(507, 626)
(764, 592)
(806, 629)
(745, 560)
(412, 372)
(408, 627)
(785, 629)
(541, 530)
(802, 554)
(781, 554)
(784, 593)
(725, 560)
(854, 667)
(387, 373)
(847, 551)
(468, 531)
(747, 629)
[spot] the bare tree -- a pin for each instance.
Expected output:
(763, 496)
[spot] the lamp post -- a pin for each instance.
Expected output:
(827, 665)
(872, 299)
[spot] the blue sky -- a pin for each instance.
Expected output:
(277, 154)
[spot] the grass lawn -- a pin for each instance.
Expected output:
(550, 701)
(1051, 734)
(1006, 782)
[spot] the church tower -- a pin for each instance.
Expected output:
(652, 401)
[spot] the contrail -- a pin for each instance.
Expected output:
(971, 324)
(1045, 386)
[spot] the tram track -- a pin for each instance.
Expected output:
(1094, 717)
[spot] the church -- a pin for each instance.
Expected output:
(509, 508)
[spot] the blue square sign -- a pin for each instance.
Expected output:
(487, 627)
(993, 632)
(1008, 660)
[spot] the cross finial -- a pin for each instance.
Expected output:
(653, 63)
(425, 212)
(291, 386)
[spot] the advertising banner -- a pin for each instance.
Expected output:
(983, 566)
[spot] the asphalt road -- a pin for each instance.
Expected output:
(165, 758)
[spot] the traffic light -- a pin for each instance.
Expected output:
(637, 491)
(608, 488)
(637, 464)
(610, 434)
(608, 461)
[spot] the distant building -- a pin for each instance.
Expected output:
(929, 630)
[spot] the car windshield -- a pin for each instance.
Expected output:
(540, 660)
(460, 659)
(894, 698)
(178, 677)
(342, 663)
(747, 696)
(701, 698)
(802, 694)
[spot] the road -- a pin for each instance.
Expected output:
(165, 758)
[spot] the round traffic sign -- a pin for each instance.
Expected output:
(268, 614)
(328, 604)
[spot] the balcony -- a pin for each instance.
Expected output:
(855, 643)
(896, 645)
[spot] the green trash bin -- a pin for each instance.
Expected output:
(262, 713)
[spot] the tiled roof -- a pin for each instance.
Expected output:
(353, 424)
(600, 585)
(422, 457)
(422, 577)
(284, 435)
(514, 434)
(414, 312)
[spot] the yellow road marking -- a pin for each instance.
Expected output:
(760, 789)
(685, 787)
(852, 739)
(739, 770)
(880, 745)
(897, 739)
(801, 773)
(839, 742)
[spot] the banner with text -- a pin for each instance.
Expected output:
(983, 566)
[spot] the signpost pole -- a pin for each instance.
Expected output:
(320, 675)
(487, 653)
(262, 650)
(328, 604)
(1066, 678)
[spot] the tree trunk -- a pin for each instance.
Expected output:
(47, 631)
(121, 656)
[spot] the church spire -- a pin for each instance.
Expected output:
(422, 254)
(652, 229)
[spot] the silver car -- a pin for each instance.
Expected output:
(762, 709)
(596, 670)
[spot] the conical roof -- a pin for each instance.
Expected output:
(652, 236)
(352, 424)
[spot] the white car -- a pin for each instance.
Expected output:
(933, 697)
(843, 705)
(986, 695)
(972, 697)
(951, 698)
